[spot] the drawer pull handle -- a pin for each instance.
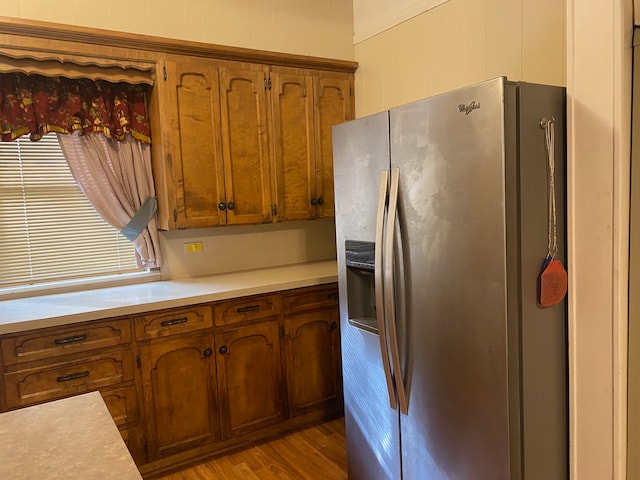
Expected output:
(332, 296)
(72, 339)
(72, 376)
(175, 321)
(223, 350)
(333, 325)
(250, 308)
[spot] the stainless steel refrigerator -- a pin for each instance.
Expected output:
(452, 369)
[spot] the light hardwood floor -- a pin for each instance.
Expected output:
(314, 453)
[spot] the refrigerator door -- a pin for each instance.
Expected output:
(361, 155)
(450, 151)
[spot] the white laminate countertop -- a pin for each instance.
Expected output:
(65, 308)
(72, 438)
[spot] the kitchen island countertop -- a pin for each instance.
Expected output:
(24, 314)
(70, 438)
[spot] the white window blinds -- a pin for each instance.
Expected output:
(48, 229)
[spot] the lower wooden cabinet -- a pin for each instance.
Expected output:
(52, 363)
(249, 377)
(312, 360)
(179, 388)
(312, 350)
(187, 382)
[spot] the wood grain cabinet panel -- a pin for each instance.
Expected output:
(179, 386)
(312, 350)
(249, 378)
(187, 153)
(293, 143)
(309, 299)
(334, 105)
(247, 309)
(37, 345)
(243, 106)
(173, 322)
(122, 405)
(306, 104)
(40, 384)
(133, 439)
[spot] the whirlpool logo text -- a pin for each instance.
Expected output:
(467, 109)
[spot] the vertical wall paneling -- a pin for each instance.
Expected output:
(461, 42)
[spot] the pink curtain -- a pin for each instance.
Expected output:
(116, 178)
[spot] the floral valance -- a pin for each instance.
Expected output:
(36, 105)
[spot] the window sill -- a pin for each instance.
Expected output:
(79, 285)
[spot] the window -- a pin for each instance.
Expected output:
(48, 229)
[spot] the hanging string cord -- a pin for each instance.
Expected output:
(552, 229)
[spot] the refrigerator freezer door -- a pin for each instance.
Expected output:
(361, 153)
(450, 152)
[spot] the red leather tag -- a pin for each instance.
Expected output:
(553, 284)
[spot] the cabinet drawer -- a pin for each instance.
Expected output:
(122, 405)
(26, 387)
(250, 308)
(313, 298)
(53, 342)
(173, 322)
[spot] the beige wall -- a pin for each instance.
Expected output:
(459, 43)
(321, 28)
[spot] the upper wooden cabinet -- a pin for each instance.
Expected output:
(211, 161)
(334, 104)
(306, 104)
(243, 103)
(244, 143)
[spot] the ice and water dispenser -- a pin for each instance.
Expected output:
(361, 296)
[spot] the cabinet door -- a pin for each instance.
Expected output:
(312, 361)
(293, 142)
(249, 378)
(334, 105)
(245, 142)
(179, 387)
(197, 164)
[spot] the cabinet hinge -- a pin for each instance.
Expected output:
(164, 72)
(175, 215)
(274, 210)
(138, 361)
(281, 329)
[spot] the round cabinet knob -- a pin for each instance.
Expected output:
(320, 201)
(222, 206)
(231, 205)
(223, 349)
(314, 202)
(207, 352)
(333, 325)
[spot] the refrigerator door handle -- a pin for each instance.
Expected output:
(379, 287)
(389, 291)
